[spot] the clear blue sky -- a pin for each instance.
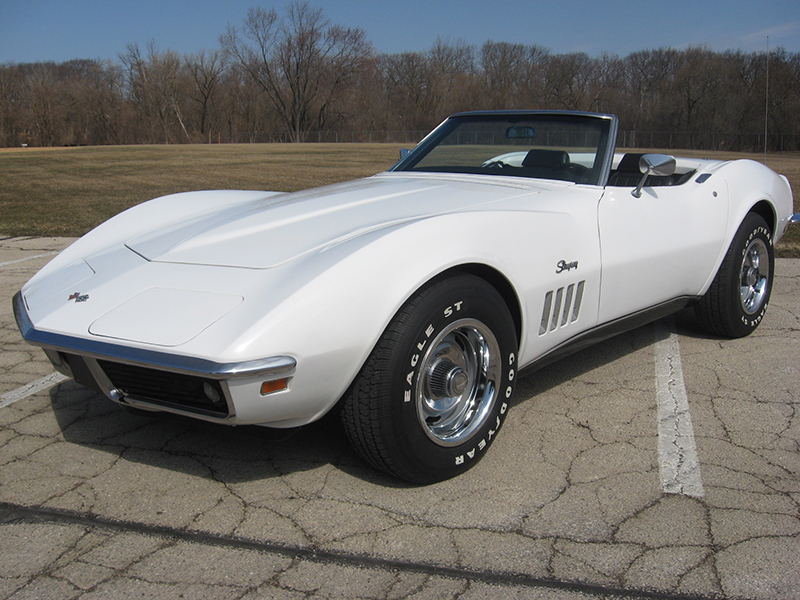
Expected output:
(60, 30)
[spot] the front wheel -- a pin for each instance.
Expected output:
(737, 300)
(436, 388)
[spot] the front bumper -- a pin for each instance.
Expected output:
(150, 379)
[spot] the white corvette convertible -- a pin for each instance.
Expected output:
(410, 300)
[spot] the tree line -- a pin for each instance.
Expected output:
(296, 76)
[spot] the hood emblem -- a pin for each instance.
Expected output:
(78, 297)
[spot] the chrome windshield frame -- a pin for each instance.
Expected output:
(605, 149)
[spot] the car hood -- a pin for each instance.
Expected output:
(267, 232)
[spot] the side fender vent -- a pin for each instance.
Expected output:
(561, 307)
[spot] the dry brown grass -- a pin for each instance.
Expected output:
(67, 191)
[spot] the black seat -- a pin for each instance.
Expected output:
(627, 173)
(546, 159)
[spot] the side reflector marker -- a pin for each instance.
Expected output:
(269, 387)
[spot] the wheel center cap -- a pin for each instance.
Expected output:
(447, 379)
(457, 381)
(752, 277)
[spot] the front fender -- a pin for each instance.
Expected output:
(749, 183)
(331, 321)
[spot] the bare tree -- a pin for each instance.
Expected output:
(646, 75)
(696, 83)
(424, 87)
(301, 61)
(567, 78)
(410, 90)
(295, 73)
(505, 71)
(158, 85)
(95, 110)
(206, 70)
(784, 100)
(368, 104)
(453, 71)
(741, 95)
(247, 110)
(46, 104)
(12, 82)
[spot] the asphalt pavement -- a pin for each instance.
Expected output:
(664, 463)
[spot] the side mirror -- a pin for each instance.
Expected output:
(654, 164)
(404, 152)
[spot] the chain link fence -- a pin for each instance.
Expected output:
(740, 142)
(410, 137)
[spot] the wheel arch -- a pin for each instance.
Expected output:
(494, 278)
(766, 211)
(754, 188)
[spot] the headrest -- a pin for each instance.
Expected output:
(630, 162)
(545, 158)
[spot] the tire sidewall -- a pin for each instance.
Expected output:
(443, 304)
(754, 227)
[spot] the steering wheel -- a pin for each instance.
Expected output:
(495, 163)
(576, 170)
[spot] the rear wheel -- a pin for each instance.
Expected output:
(435, 390)
(737, 300)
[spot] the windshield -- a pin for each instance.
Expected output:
(561, 146)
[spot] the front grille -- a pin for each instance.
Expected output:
(171, 390)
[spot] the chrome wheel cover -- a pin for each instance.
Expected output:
(457, 382)
(754, 277)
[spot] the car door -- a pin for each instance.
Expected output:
(660, 246)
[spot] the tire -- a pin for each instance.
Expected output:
(738, 297)
(436, 388)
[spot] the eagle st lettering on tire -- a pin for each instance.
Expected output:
(433, 394)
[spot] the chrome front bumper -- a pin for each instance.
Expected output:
(166, 379)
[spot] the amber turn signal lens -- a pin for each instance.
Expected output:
(274, 386)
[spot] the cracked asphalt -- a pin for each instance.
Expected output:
(96, 502)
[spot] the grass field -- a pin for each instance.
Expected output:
(67, 191)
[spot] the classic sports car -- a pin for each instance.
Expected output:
(410, 300)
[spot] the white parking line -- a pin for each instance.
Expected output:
(677, 453)
(31, 388)
(19, 260)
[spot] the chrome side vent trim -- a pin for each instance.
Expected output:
(561, 307)
(548, 304)
(576, 308)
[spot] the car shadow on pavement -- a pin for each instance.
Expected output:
(230, 454)
(251, 453)
(537, 381)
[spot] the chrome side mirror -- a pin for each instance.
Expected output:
(653, 164)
